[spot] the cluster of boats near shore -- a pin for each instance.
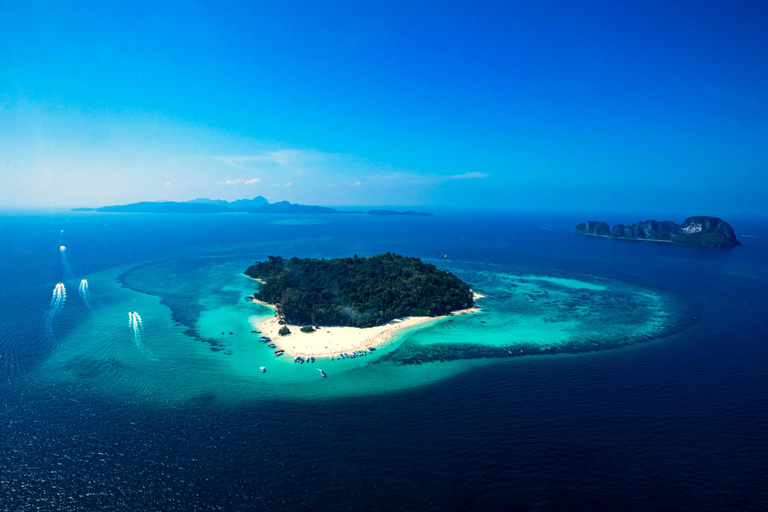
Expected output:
(352, 355)
(311, 359)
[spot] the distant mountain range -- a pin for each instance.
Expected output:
(256, 205)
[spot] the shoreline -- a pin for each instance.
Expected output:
(326, 342)
(636, 239)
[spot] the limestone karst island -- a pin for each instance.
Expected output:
(701, 230)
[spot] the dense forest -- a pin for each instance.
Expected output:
(357, 292)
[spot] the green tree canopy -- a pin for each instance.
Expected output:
(358, 292)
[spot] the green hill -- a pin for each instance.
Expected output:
(358, 292)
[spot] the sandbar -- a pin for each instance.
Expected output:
(334, 340)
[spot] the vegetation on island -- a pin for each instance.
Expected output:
(357, 292)
(284, 331)
(701, 230)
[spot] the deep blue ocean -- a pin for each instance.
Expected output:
(678, 423)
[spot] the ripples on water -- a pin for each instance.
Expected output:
(677, 424)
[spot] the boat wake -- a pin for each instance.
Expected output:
(58, 298)
(84, 293)
(135, 323)
(68, 274)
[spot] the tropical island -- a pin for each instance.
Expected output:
(701, 230)
(258, 204)
(328, 306)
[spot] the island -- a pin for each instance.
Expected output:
(701, 230)
(258, 204)
(324, 307)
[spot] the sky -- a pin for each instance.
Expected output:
(565, 106)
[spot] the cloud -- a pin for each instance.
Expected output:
(466, 176)
(237, 161)
(241, 181)
(287, 158)
(335, 169)
(405, 178)
(296, 161)
(167, 183)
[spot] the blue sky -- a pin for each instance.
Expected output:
(584, 106)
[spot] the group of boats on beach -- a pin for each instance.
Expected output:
(352, 355)
(311, 359)
(279, 352)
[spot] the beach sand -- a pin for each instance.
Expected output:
(331, 341)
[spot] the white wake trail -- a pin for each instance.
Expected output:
(84, 293)
(68, 274)
(58, 297)
(135, 323)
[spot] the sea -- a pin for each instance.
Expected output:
(599, 374)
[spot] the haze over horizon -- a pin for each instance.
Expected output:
(549, 106)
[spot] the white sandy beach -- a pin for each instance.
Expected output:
(331, 341)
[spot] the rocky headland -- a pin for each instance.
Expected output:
(700, 230)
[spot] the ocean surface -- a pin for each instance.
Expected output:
(600, 374)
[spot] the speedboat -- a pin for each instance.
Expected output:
(263, 369)
(279, 352)
(312, 359)
(322, 372)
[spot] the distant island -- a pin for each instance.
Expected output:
(256, 205)
(701, 230)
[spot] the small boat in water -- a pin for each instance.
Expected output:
(312, 359)
(322, 372)
(279, 352)
(263, 339)
(263, 369)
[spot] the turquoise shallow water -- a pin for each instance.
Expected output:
(169, 414)
(194, 339)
